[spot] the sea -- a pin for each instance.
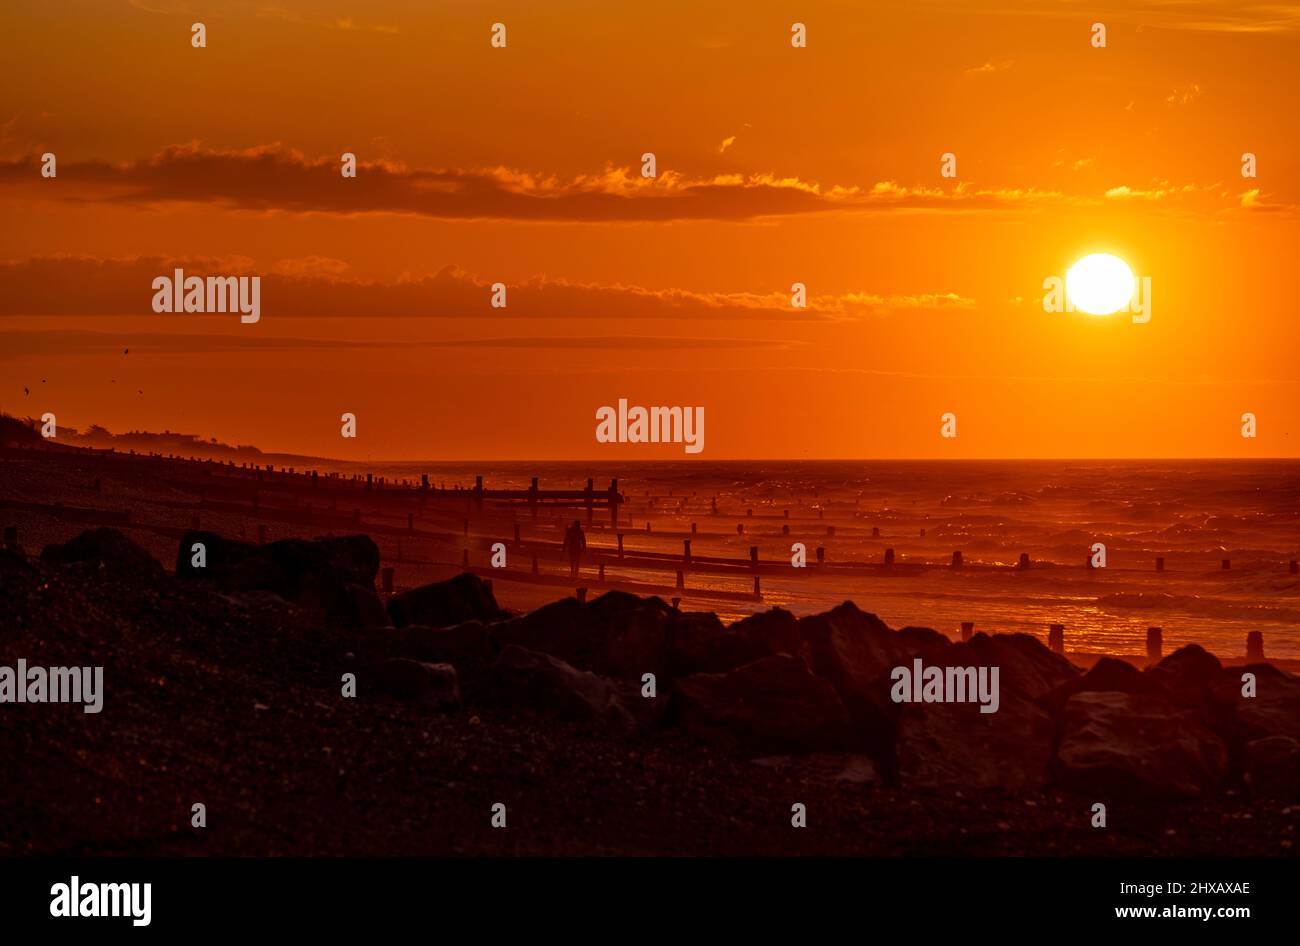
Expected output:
(1227, 531)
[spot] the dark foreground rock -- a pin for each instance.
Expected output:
(434, 685)
(442, 604)
(106, 549)
(528, 678)
(774, 703)
(1134, 745)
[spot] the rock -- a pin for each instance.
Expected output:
(554, 629)
(775, 631)
(617, 634)
(107, 549)
(852, 650)
(774, 702)
(313, 574)
(1025, 665)
(1108, 674)
(220, 555)
(918, 639)
(543, 682)
(459, 644)
(367, 610)
(1272, 766)
(1132, 744)
(466, 597)
(1274, 710)
(632, 634)
(1186, 675)
(429, 684)
(700, 643)
(946, 745)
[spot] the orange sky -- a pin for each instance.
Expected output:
(775, 165)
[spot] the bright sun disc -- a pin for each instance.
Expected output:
(1100, 284)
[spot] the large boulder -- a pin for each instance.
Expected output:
(617, 634)
(775, 702)
(435, 685)
(1137, 745)
(852, 650)
(466, 597)
(219, 555)
(1264, 728)
(954, 745)
(1108, 674)
(1186, 675)
(542, 682)
(459, 644)
(701, 644)
(1271, 766)
(367, 610)
(106, 549)
(327, 575)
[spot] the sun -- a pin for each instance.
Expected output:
(1100, 284)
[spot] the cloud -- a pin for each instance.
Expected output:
(273, 177)
(315, 286)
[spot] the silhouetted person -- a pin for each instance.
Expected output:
(575, 543)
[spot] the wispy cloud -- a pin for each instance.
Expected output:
(318, 287)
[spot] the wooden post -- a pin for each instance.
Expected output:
(681, 579)
(821, 555)
(967, 630)
(686, 551)
(1160, 563)
(753, 556)
(478, 493)
(601, 574)
(785, 529)
(889, 557)
(695, 527)
(582, 595)
(1024, 560)
(677, 603)
(386, 576)
(613, 504)
(466, 525)
(956, 559)
(787, 513)
(875, 532)
(516, 535)
(758, 592)
(1255, 646)
(1226, 564)
(1155, 644)
(620, 545)
(1295, 567)
(532, 497)
(740, 528)
(830, 531)
(1056, 639)
(589, 499)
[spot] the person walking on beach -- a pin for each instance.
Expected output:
(575, 543)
